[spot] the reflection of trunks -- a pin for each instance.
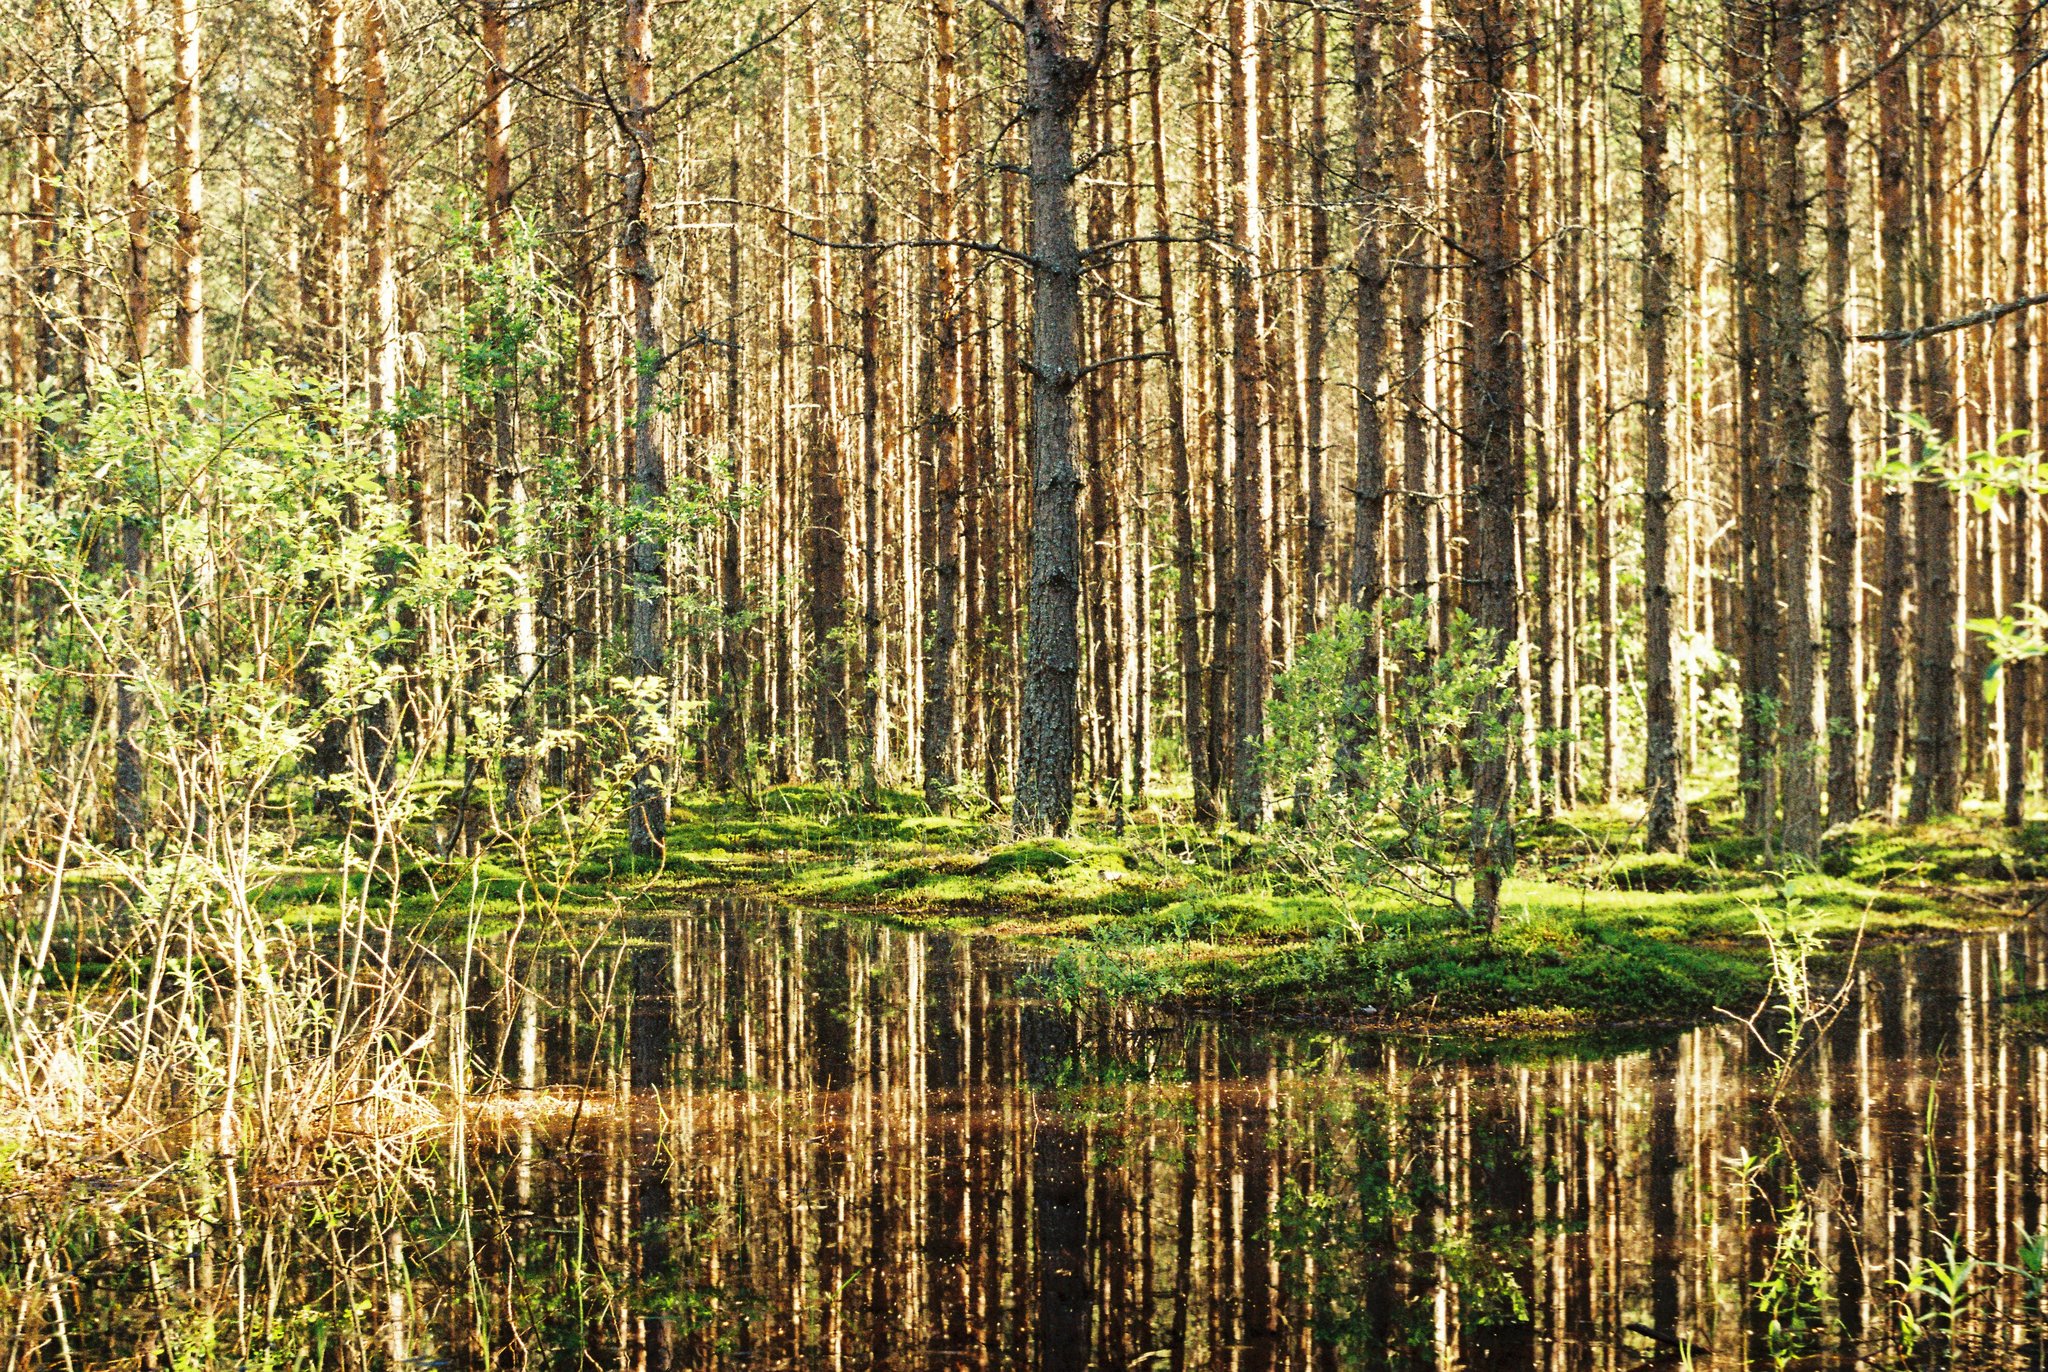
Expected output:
(806, 1137)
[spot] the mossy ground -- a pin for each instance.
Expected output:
(1594, 932)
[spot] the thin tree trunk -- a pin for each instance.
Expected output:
(1187, 610)
(1762, 688)
(647, 560)
(1845, 498)
(825, 533)
(2019, 525)
(522, 642)
(941, 631)
(871, 741)
(1937, 725)
(731, 769)
(131, 813)
(1315, 331)
(1894, 240)
(380, 723)
(1252, 465)
(188, 260)
(1418, 490)
(1792, 416)
(1369, 482)
(1664, 824)
(328, 264)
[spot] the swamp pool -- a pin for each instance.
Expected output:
(754, 1138)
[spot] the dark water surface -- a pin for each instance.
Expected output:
(756, 1139)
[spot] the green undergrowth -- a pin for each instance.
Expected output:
(1594, 931)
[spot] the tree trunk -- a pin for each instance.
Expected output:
(825, 532)
(189, 323)
(1315, 331)
(941, 631)
(328, 261)
(1936, 725)
(2019, 526)
(1187, 609)
(1048, 722)
(1762, 688)
(1418, 489)
(1664, 823)
(731, 769)
(1792, 437)
(1845, 498)
(380, 723)
(871, 741)
(131, 812)
(647, 560)
(1895, 227)
(1252, 459)
(1369, 482)
(1485, 46)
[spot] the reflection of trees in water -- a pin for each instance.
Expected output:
(768, 1141)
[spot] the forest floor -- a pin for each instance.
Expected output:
(1594, 934)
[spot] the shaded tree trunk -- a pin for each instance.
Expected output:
(1048, 720)
(1485, 44)
(1937, 729)
(1845, 499)
(825, 532)
(1252, 459)
(131, 812)
(942, 616)
(2020, 532)
(1664, 823)
(188, 259)
(647, 487)
(1792, 437)
(1187, 608)
(1894, 231)
(1369, 481)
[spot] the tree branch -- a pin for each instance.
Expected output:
(1112, 361)
(996, 248)
(1989, 315)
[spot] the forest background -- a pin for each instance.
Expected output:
(446, 419)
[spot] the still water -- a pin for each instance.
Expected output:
(750, 1139)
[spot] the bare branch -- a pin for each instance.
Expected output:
(997, 249)
(1989, 315)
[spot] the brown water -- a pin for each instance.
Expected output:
(768, 1140)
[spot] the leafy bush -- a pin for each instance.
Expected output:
(1380, 798)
